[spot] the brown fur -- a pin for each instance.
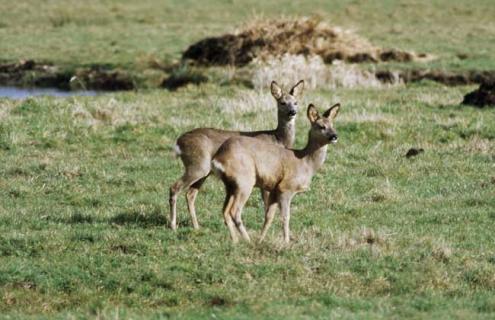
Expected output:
(243, 163)
(198, 146)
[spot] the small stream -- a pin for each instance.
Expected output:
(22, 93)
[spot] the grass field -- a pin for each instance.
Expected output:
(129, 33)
(84, 180)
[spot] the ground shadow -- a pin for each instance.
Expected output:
(143, 219)
(79, 218)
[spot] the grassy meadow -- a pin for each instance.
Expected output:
(84, 180)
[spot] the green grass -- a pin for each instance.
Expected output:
(84, 180)
(83, 212)
(131, 33)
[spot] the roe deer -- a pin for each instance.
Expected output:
(197, 147)
(243, 162)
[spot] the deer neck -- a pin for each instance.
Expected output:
(314, 154)
(286, 130)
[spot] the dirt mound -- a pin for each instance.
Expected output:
(182, 76)
(449, 78)
(99, 78)
(29, 73)
(483, 96)
(306, 36)
(414, 152)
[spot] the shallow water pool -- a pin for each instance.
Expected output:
(22, 93)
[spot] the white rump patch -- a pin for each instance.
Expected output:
(177, 150)
(217, 166)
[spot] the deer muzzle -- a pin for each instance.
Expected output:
(333, 138)
(292, 113)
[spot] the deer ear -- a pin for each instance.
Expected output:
(332, 112)
(276, 90)
(297, 90)
(312, 113)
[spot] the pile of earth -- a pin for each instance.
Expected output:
(305, 36)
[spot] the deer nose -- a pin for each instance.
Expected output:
(333, 138)
(292, 112)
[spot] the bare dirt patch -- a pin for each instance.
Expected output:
(29, 73)
(182, 76)
(304, 36)
(450, 78)
(100, 78)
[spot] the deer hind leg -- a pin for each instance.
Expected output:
(229, 222)
(191, 176)
(240, 198)
(191, 194)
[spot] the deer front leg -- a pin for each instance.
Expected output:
(174, 191)
(270, 209)
(191, 198)
(265, 195)
(284, 202)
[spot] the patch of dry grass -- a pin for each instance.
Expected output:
(247, 101)
(384, 191)
(113, 113)
(363, 237)
(4, 111)
(288, 69)
(365, 116)
(258, 105)
(477, 144)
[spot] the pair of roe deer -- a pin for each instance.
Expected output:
(243, 160)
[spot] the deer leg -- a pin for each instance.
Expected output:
(271, 208)
(172, 200)
(191, 194)
(184, 182)
(265, 195)
(284, 203)
(236, 212)
(229, 201)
